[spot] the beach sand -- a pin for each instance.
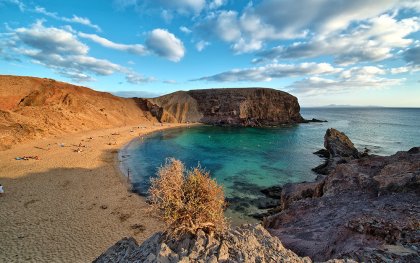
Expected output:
(70, 206)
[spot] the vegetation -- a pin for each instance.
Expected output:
(187, 201)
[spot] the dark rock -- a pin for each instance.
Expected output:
(272, 192)
(338, 144)
(295, 192)
(339, 149)
(233, 107)
(266, 203)
(118, 252)
(314, 120)
(361, 207)
(323, 153)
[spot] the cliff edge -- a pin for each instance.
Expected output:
(234, 107)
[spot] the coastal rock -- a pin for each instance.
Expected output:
(365, 208)
(247, 243)
(338, 149)
(234, 107)
(338, 144)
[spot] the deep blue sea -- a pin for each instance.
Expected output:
(245, 160)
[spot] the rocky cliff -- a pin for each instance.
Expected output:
(362, 207)
(236, 106)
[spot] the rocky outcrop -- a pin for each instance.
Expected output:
(248, 243)
(236, 107)
(338, 149)
(365, 208)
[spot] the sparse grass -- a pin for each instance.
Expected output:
(187, 201)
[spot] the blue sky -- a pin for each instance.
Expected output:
(359, 52)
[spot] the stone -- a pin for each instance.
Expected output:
(272, 192)
(338, 144)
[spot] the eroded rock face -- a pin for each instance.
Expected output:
(338, 149)
(248, 243)
(365, 208)
(338, 144)
(236, 107)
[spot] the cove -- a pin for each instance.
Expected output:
(246, 160)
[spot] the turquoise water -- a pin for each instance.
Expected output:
(246, 160)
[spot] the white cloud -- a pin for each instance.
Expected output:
(373, 40)
(201, 45)
(63, 52)
(184, 6)
(399, 70)
(217, 3)
(348, 81)
(184, 29)
(135, 78)
(75, 19)
(167, 16)
(272, 71)
(159, 41)
(165, 44)
(134, 49)
(51, 40)
(170, 81)
(289, 19)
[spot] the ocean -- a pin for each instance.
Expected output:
(246, 160)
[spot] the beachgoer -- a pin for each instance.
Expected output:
(1, 190)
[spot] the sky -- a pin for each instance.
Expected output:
(358, 52)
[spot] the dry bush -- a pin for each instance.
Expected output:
(187, 201)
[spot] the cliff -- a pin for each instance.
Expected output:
(35, 108)
(363, 207)
(236, 107)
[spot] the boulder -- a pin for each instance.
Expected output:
(338, 144)
(338, 149)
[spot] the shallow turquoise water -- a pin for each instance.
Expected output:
(245, 160)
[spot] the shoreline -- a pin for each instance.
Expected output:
(70, 205)
(121, 162)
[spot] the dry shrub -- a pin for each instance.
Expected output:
(187, 201)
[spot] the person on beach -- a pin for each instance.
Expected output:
(1, 190)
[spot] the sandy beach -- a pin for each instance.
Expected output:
(70, 205)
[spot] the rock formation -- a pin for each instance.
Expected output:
(366, 208)
(248, 243)
(34, 108)
(338, 149)
(238, 107)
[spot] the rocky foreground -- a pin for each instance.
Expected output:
(248, 243)
(362, 207)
